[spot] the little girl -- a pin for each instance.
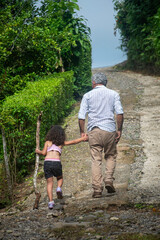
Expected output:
(55, 140)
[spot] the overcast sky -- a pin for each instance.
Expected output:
(100, 16)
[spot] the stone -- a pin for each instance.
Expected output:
(114, 219)
(99, 237)
(90, 230)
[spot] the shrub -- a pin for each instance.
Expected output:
(54, 96)
(10, 85)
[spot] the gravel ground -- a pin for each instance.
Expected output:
(133, 212)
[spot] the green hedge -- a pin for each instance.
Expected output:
(54, 96)
(10, 85)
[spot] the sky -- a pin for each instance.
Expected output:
(105, 46)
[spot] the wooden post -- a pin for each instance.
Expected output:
(6, 160)
(37, 193)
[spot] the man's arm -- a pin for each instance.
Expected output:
(82, 115)
(119, 126)
(81, 127)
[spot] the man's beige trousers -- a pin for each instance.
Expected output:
(100, 141)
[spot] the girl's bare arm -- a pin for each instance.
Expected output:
(75, 141)
(44, 151)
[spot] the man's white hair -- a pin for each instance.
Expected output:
(99, 78)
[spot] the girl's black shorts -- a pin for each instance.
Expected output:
(52, 168)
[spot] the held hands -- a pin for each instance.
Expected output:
(84, 136)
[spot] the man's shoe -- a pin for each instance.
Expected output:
(110, 188)
(97, 195)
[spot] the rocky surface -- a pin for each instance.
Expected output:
(133, 212)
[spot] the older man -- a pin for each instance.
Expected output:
(104, 130)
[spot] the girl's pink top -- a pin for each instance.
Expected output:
(53, 147)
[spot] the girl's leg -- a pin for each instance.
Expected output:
(59, 181)
(50, 188)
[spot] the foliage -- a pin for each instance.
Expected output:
(54, 96)
(138, 22)
(10, 85)
(15, 18)
(152, 41)
(82, 71)
(73, 40)
(39, 41)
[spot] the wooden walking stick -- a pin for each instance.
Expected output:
(37, 193)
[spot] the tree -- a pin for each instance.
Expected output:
(38, 41)
(134, 19)
(15, 17)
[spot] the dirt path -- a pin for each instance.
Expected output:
(147, 183)
(137, 178)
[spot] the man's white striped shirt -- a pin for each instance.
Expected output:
(101, 104)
